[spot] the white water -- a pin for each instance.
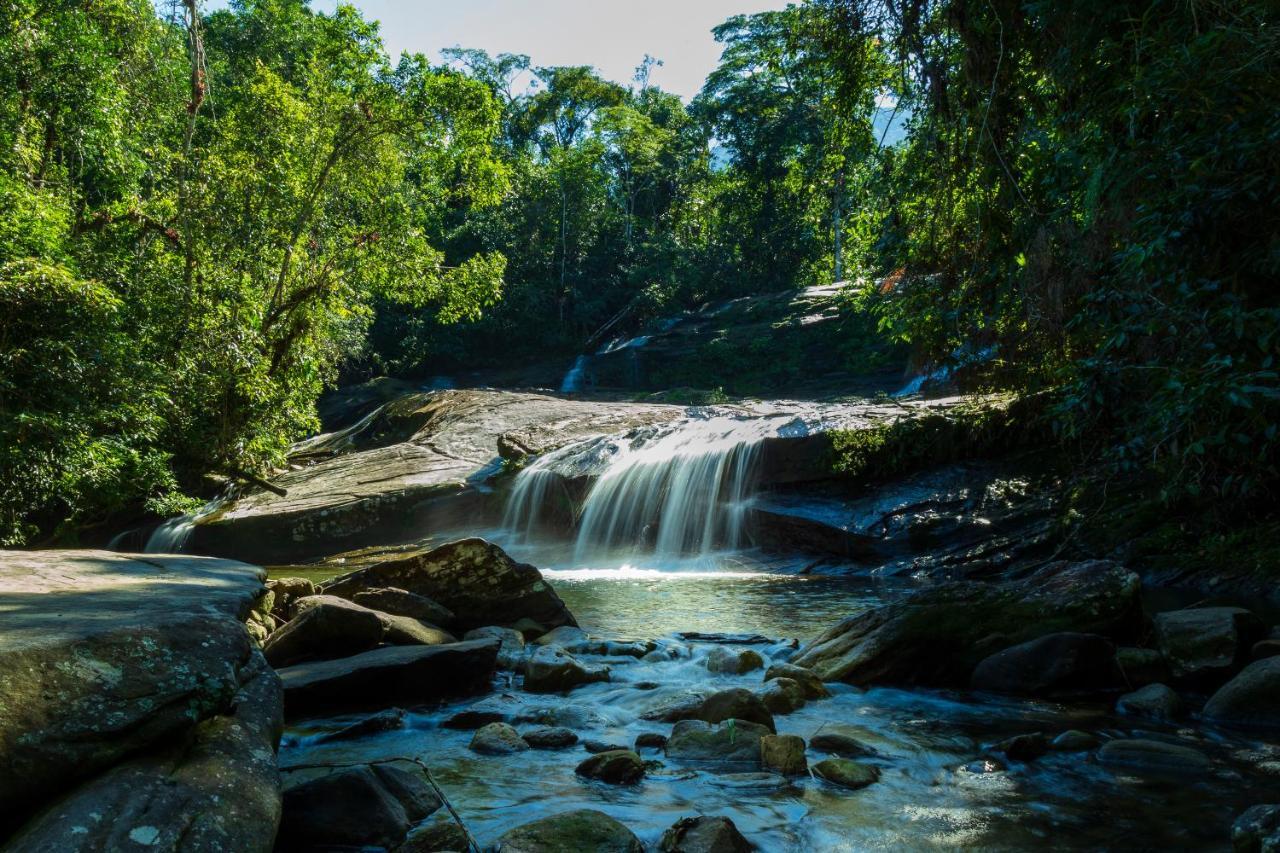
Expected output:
(574, 378)
(680, 490)
(171, 536)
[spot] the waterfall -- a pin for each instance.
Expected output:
(676, 490)
(172, 535)
(574, 378)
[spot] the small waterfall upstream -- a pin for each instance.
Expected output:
(172, 535)
(677, 490)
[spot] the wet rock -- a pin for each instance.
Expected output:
(726, 639)
(497, 739)
(529, 628)
(1140, 667)
(733, 661)
(550, 737)
(582, 831)
(615, 767)
(987, 764)
(217, 788)
(565, 635)
(439, 833)
(399, 602)
(105, 655)
(383, 721)
(840, 743)
(670, 709)
(572, 716)
(1153, 702)
(473, 578)
(1251, 699)
(731, 743)
(511, 650)
(1027, 747)
(1206, 642)
(938, 635)
(324, 627)
(601, 746)
(1257, 830)
(846, 773)
(1265, 649)
(260, 623)
(492, 709)
(1063, 664)
(782, 695)
(756, 782)
(367, 805)
(704, 834)
(389, 676)
(407, 631)
(650, 740)
(612, 648)
(807, 678)
(783, 754)
(1073, 740)
(1152, 756)
(550, 670)
(735, 704)
(286, 592)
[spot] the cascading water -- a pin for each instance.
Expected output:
(171, 536)
(678, 490)
(573, 380)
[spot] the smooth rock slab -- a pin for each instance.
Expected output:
(395, 675)
(103, 655)
(582, 831)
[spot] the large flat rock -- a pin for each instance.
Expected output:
(105, 655)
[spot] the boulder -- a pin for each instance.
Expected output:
(369, 805)
(846, 773)
(491, 709)
(733, 743)
(550, 670)
(1054, 665)
(839, 743)
(1140, 667)
(704, 834)
(1265, 649)
(1204, 643)
(650, 740)
(565, 635)
(1257, 830)
(389, 676)
(783, 754)
(497, 739)
(324, 627)
(550, 737)
(1152, 756)
(438, 833)
(938, 635)
(1251, 699)
(1153, 702)
(511, 648)
(737, 703)
(286, 592)
(733, 661)
(782, 695)
(407, 631)
(474, 579)
(616, 767)
(807, 678)
(384, 721)
(104, 656)
(1073, 740)
(399, 602)
(670, 709)
(1024, 747)
(582, 831)
(593, 746)
(216, 788)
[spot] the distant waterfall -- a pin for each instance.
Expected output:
(574, 378)
(172, 535)
(682, 489)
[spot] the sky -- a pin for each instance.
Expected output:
(612, 35)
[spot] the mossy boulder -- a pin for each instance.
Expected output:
(582, 831)
(846, 773)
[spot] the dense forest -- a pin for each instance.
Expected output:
(206, 219)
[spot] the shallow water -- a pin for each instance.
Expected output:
(932, 793)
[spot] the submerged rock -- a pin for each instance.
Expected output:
(846, 773)
(473, 578)
(1064, 664)
(368, 805)
(783, 754)
(392, 675)
(550, 737)
(733, 661)
(736, 703)
(1152, 756)
(732, 742)
(840, 743)
(1153, 702)
(1257, 830)
(1206, 642)
(383, 721)
(582, 831)
(1251, 699)
(497, 739)
(104, 656)
(704, 834)
(616, 767)
(806, 678)
(939, 635)
(324, 627)
(550, 670)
